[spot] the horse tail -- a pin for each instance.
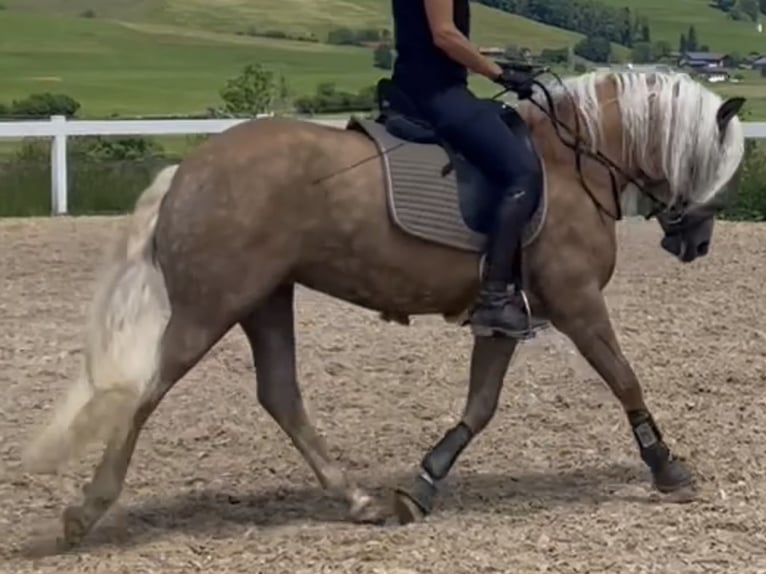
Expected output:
(126, 320)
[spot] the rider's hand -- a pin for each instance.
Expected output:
(516, 81)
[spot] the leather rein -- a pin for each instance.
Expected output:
(580, 149)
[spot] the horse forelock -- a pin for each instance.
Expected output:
(669, 127)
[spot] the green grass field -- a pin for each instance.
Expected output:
(173, 57)
(111, 68)
(294, 16)
(670, 18)
(156, 57)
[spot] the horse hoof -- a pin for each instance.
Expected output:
(406, 510)
(682, 495)
(676, 482)
(74, 527)
(366, 510)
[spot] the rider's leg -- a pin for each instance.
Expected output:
(479, 133)
(498, 308)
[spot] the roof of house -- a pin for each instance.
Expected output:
(760, 61)
(704, 56)
(712, 72)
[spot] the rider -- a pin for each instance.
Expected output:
(434, 54)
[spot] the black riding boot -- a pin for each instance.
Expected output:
(499, 310)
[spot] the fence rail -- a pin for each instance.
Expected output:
(59, 129)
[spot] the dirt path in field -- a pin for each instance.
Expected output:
(554, 485)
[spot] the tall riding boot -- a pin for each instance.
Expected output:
(499, 310)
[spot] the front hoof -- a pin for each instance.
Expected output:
(674, 478)
(75, 528)
(415, 504)
(406, 509)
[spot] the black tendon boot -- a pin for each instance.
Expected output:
(499, 310)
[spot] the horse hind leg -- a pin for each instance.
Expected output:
(183, 344)
(136, 349)
(271, 333)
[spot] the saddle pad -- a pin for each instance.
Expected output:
(421, 201)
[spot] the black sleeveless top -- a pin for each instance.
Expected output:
(421, 68)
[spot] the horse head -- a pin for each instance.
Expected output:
(681, 147)
(688, 229)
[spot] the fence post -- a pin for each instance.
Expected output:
(59, 177)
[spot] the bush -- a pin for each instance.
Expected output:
(749, 201)
(349, 37)
(554, 56)
(42, 105)
(279, 34)
(329, 100)
(106, 175)
(383, 57)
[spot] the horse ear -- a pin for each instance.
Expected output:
(727, 111)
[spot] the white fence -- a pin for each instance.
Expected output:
(58, 128)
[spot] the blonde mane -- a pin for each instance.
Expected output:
(665, 116)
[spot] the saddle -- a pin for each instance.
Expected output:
(433, 192)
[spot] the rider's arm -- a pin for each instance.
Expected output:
(450, 40)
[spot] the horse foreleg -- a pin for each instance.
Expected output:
(585, 320)
(489, 363)
(271, 333)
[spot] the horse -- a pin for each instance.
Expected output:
(382, 214)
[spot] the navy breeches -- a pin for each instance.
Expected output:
(475, 129)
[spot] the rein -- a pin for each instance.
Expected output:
(580, 150)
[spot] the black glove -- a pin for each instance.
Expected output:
(516, 81)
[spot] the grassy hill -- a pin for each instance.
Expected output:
(670, 18)
(112, 68)
(172, 56)
(294, 16)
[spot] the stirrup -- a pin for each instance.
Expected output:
(526, 335)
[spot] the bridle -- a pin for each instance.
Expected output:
(644, 184)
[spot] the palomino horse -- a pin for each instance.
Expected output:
(223, 239)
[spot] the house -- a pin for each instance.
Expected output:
(713, 75)
(492, 52)
(647, 68)
(759, 63)
(703, 60)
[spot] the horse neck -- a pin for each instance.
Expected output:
(612, 142)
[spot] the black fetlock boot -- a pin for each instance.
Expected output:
(501, 309)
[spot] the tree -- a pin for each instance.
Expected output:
(691, 40)
(683, 44)
(725, 5)
(254, 91)
(750, 8)
(642, 53)
(646, 34)
(762, 6)
(383, 58)
(591, 18)
(661, 49)
(595, 49)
